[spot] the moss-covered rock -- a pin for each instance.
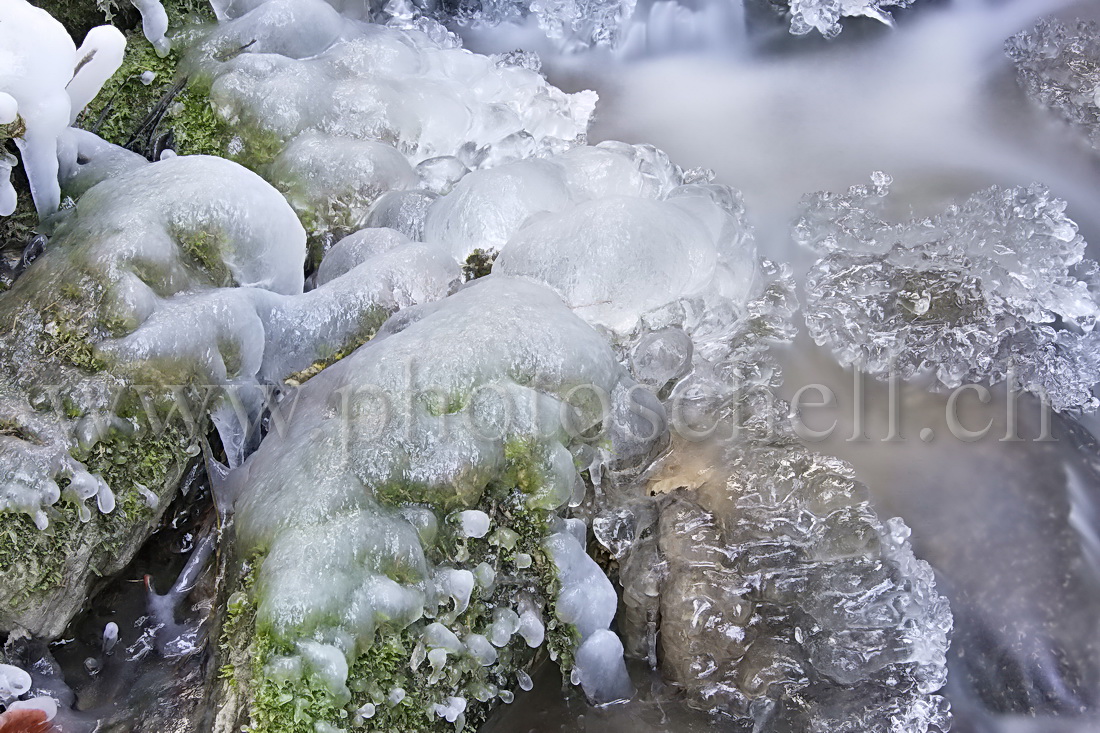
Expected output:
(409, 572)
(83, 424)
(393, 678)
(149, 105)
(46, 575)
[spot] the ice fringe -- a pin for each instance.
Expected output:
(992, 289)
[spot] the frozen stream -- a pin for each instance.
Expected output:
(653, 469)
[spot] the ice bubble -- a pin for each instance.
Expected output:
(473, 523)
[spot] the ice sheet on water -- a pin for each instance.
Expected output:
(994, 288)
(1058, 65)
(780, 596)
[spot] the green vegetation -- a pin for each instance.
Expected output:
(140, 116)
(304, 705)
(70, 324)
(205, 252)
(478, 264)
(36, 559)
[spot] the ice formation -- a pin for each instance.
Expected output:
(154, 24)
(661, 260)
(1058, 65)
(478, 427)
(184, 241)
(332, 104)
(782, 598)
(400, 547)
(995, 288)
(571, 25)
(196, 289)
(824, 16)
(45, 82)
(15, 684)
(577, 25)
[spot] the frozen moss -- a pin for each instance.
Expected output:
(478, 264)
(396, 659)
(35, 563)
(148, 106)
(84, 421)
(379, 521)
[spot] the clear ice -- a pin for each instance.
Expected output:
(1058, 66)
(781, 597)
(825, 16)
(577, 25)
(994, 288)
(350, 109)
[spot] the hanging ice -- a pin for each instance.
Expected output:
(44, 83)
(991, 289)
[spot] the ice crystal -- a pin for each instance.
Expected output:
(995, 288)
(781, 596)
(1058, 65)
(824, 15)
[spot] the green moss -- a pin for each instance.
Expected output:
(438, 405)
(139, 116)
(70, 325)
(284, 706)
(478, 264)
(256, 147)
(150, 460)
(35, 559)
(278, 705)
(205, 251)
(443, 497)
